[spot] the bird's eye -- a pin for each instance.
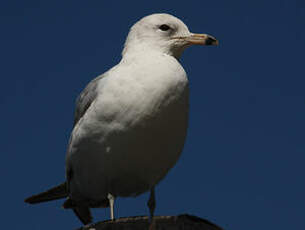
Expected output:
(164, 27)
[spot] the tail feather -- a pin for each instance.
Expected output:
(55, 193)
(83, 213)
(59, 192)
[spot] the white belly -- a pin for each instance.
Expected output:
(131, 136)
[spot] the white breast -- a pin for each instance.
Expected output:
(134, 131)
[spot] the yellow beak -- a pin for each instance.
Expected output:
(199, 39)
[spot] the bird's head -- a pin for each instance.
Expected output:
(164, 33)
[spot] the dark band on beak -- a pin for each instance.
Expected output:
(211, 41)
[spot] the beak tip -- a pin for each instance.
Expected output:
(212, 41)
(201, 39)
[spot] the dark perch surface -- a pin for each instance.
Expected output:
(181, 222)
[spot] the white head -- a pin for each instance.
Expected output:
(163, 33)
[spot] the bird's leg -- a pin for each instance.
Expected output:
(111, 203)
(152, 203)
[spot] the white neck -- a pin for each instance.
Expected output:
(135, 47)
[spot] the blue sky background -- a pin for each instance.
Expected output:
(243, 162)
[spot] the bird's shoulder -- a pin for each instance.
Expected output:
(86, 97)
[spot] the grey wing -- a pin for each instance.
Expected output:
(85, 99)
(83, 102)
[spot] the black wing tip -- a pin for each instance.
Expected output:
(57, 192)
(36, 200)
(28, 200)
(31, 200)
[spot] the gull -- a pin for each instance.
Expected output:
(131, 122)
